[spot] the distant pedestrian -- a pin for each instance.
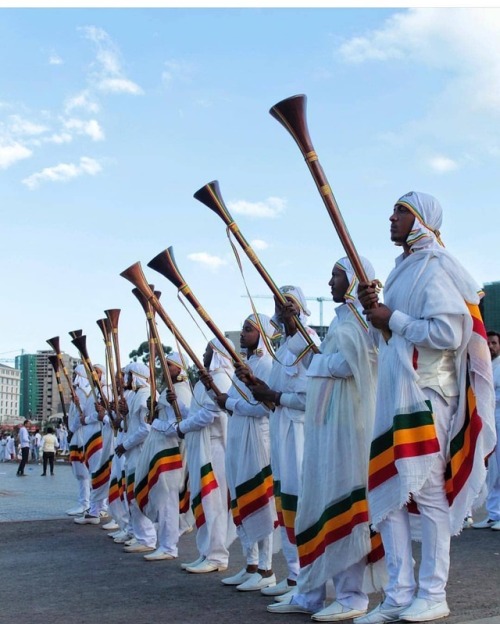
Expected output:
(36, 445)
(49, 446)
(24, 443)
(10, 448)
(3, 448)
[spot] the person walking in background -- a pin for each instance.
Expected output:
(24, 443)
(49, 446)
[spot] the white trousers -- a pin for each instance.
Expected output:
(142, 527)
(348, 592)
(260, 553)
(212, 537)
(168, 522)
(493, 500)
(434, 516)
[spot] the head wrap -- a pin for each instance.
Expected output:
(103, 370)
(81, 379)
(296, 294)
(140, 375)
(221, 358)
(266, 326)
(175, 358)
(428, 218)
(346, 266)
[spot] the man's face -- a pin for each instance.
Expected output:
(494, 346)
(338, 284)
(249, 336)
(402, 221)
(207, 356)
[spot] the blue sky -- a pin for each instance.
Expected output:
(110, 120)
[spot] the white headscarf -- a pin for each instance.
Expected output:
(428, 218)
(221, 358)
(81, 380)
(103, 376)
(175, 358)
(346, 266)
(140, 375)
(265, 325)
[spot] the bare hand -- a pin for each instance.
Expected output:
(119, 450)
(171, 396)
(368, 294)
(379, 317)
(262, 392)
(221, 400)
(206, 379)
(101, 412)
(243, 373)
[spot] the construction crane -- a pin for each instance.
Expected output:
(5, 360)
(320, 300)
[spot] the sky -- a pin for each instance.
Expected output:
(111, 119)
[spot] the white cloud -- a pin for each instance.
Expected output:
(55, 59)
(119, 85)
(463, 42)
(11, 152)
(259, 244)
(213, 262)
(177, 70)
(63, 172)
(442, 164)
(59, 139)
(109, 76)
(82, 100)
(271, 208)
(20, 126)
(89, 127)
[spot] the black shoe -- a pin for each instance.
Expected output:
(44, 474)
(51, 474)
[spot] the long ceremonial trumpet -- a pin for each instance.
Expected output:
(210, 195)
(165, 264)
(291, 113)
(157, 346)
(54, 360)
(105, 327)
(81, 344)
(55, 345)
(135, 275)
(113, 316)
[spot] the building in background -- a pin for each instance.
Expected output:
(39, 394)
(490, 306)
(10, 381)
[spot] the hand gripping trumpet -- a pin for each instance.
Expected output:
(135, 275)
(54, 344)
(105, 327)
(157, 346)
(113, 315)
(165, 264)
(81, 344)
(54, 360)
(210, 196)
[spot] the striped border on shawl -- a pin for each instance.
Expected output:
(412, 435)
(164, 461)
(336, 522)
(377, 551)
(93, 444)
(184, 496)
(286, 509)
(463, 445)
(208, 483)
(116, 488)
(76, 454)
(130, 487)
(252, 495)
(101, 477)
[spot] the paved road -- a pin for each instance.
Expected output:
(54, 571)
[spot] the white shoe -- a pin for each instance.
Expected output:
(130, 542)
(468, 522)
(114, 534)
(277, 590)
(110, 526)
(381, 614)
(336, 612)
(138, 548)
(104, 513)
(87, 519)
(496, 526)
(158, 555)
(185, 531)
(237, 579)
(206, 566)
(185, 566)
(287, 596)
(487, 523)
(423, 610)
(287, 607)
(256, 582)
(122, 538)
(76, 511)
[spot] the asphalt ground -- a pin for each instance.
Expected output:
(55, 571)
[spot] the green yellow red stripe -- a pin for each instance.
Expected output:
(252, 495)
(164, 461)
